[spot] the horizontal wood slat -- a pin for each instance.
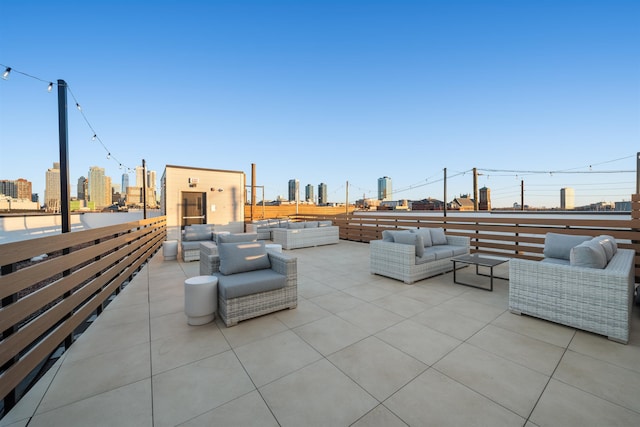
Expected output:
(103, 259)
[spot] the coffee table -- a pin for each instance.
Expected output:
(478, 261)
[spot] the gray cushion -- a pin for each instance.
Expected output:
(283, 223)
(393, 233)
(387, 236)
(237, 237)
(426, 257)
(426, 236)
(325, 223)
(190, 245)
(588, 254)
(437, 236)
(556, 261)
(249, 283)
(296, 225)
(198, 233)
(241, 257)
(411, 239)
(440, 251)
(311, 224)
(458, 250)
(559, 245)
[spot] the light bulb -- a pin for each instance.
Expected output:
(5, 75)
(120, 166)
(108, 155)
(93, 138)
(50, 87)
(78, 107)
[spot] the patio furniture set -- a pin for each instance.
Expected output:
(582, 282)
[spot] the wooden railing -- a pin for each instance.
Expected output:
(45, 300)
(517, 235)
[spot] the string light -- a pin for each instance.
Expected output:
(50, 85)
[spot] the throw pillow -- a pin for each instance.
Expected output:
(588, 254)
(240, 257)
(311, 224)
(426, 236)
(437, 236)
(198, 233)
(411, 239)
(296, 225)
(387, 236)
(559, 245)
(607, 245)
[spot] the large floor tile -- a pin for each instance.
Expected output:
(401, 305)
(601, 348)
(509, 384)
(449, 323)
(377, 367)
(305, 312)
(336, 301)
(246, 411)
(192, 390)
(533, 327)
(433, 399)
(87, 377)
(476, 310)
(370, 318)
(534, 354)
(330, 334)
(129, 405)
(276, 356)
(602, 379)
(563, 405)
(317, 395)
(423, 343)
(197, 342)
(252, 329)
(379, 416)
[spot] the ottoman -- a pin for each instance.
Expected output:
(170, 249)
(200, 299)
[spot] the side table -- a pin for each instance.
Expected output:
(200, 299)
(170, 249)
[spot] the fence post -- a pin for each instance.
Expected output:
(11, 398)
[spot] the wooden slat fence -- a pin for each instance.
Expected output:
(44, 302)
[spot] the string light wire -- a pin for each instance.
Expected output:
(50, 86)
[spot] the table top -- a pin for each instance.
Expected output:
(478, 259)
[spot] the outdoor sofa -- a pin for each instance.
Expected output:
(192, 236)
(415, 254)
(294, 235)
(583, 282)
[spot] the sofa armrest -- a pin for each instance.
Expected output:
(458, 240)
(283, 264)
(392, 253)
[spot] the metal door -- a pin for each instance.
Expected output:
(193, 208)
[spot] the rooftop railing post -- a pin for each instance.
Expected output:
(64, 156)
(144, 189)
(11, 398)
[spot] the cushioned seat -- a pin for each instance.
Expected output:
(251, 282)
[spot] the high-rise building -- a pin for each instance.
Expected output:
(308, 193)
(82, 188)
(567, 198)
(52, 197)
(23, 188)
(151, 179)
(322, 194)
(108, 190)
(294, 188)
(8, 188)
(125, 182)
(98, 193)
(384, 188)
(140, 178)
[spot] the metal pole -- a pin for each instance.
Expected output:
(445, 191)
(144, 189)
(347, 201)
(253, 188)
(522, 195)
(63, 136)
(475, 189)
(638, 173)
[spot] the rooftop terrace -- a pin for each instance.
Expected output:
(358, 350)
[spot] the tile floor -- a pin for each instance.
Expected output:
(359, 350)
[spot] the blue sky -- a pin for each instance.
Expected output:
(333, 91)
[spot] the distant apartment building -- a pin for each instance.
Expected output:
(99, 193)
(294, 188)
(384, 188)
(484, 202)
(322, 194)
(308, 193)
(52, 197)
(567, 198)
(16, 189)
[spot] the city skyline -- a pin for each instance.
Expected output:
(535, 91)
